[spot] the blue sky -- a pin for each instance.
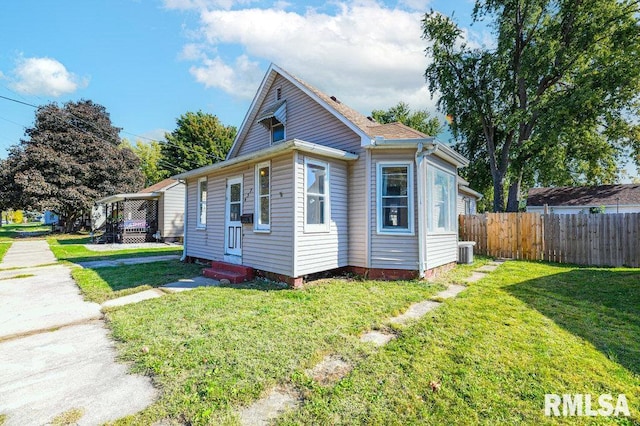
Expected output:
(149, 61)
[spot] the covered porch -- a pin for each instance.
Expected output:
(129, 218)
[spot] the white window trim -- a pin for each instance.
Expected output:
(324, 227)
(257, 227)
(441, 231)
(199, 224)
(410, 203)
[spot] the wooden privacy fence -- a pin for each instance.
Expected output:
(583, 239)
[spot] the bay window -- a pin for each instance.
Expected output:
(442, 192)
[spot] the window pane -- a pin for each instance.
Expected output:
(203, 213)
(315, 179)
(235, 192)
(315, 210)
(277, 131)
(394, 181)
(395, 217)
(264, 210)
(203, 190)
(442, 189)
(234, 212)
(264, 181)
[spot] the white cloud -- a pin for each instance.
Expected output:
(239, 79)
(367, 54)
(45, 76)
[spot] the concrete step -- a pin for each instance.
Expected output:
(234, 273)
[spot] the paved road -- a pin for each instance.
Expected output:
(55, 354)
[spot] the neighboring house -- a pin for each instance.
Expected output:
(622, 198)
(152, 214)
(467, 198)
(50, 218)
(311, 185)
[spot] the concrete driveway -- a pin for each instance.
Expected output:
(55, 352)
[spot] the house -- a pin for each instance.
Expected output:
(152, 214)
(311, 185)
(50, 218)
(620, 198)
(467, 198)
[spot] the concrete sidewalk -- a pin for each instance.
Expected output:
(23, 254)
(127, 261)
(55, 352)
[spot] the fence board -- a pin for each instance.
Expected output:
(583, 239)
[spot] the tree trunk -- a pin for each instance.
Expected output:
(498, 194)
(513, 202)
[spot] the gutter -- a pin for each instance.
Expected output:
(422, 207)
(443, 150)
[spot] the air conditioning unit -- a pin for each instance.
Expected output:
(465, 251)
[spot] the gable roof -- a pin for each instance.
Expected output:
(162, 185)
(366, 127)
(603, 195)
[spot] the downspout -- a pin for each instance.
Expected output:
(422, 209)
(184, 222)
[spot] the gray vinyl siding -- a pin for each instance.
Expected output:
(442, 248)
(172, 212)
(196, 239)
(322, 251)
(460, 204)
(357, 179)
(271, 251)
(393, 251)
(306, 120)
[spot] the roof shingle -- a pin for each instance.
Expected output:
(620, 194)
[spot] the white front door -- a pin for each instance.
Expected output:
(233, 228)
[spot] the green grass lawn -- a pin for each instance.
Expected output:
(100, 284)
(14, 230)
(497, 349)
(71, 248)
(4, 246)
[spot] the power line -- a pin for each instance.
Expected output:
(94, 126)
(18, 101)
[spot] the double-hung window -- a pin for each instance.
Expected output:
(442, 191)
(263, 197)
(395, 198)
(317, 209)
(202, 203)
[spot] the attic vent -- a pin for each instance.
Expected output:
(336, 100)
(278, 93)
(371, 119)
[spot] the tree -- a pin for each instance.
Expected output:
(70, 158)
(200, 139)
(419, 120)
(555, 99)
(150, 156)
